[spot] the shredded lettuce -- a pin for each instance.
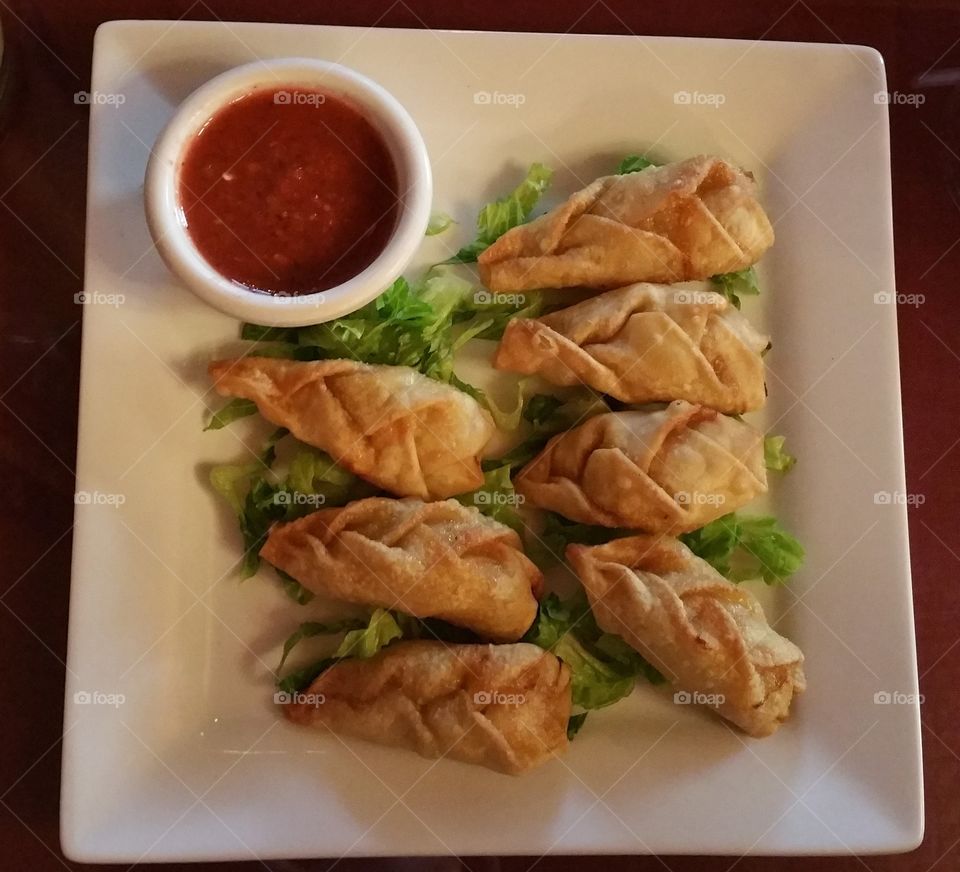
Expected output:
(493, 311)
(548, 547)
(439, 222)
(775, 455)
(260, 498)
(497, 498)
(603, 667)
(293, 589)
(498, 217)
(549, 415)
(363, 639)
(309, 629)
(733, 285)
(743, 548)
(574, 724)
(234, 410)
(407, 325)
(633, 163)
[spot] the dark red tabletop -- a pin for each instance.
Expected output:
(43, 143)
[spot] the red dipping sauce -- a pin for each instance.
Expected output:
(289, 191)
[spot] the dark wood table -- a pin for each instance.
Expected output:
(43, 142)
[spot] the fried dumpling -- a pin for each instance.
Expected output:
(643, 344)
(707, 636)
(666, 471)
(441, 560)
(407, 433)
(505, 707)
(686, 220)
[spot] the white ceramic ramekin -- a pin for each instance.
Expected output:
(168, 226)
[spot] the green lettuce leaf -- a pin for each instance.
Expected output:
(260, 498)
(497, 498)
(602, 669)
(234, 410)
(775, 455)
(494, 311)
(362, 640)
(633, 163)
(743, 548)
(574, 725)
(514, 209)
(381, 630)
(439, 222)
(736, 284)
(548, 547)
(547, 416)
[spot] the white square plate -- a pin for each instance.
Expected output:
(188, 759)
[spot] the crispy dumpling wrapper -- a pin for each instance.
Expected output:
(642, 344)
(407, 433)
(666, 471)
(505, 707)
(686, 220)
(707, 636)
(432, 560)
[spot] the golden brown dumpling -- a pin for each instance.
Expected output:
(666, 471)
(441, 560)
(686, 220)
(407, 433)
(643, 344)
(707, 636)
(505, 707)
